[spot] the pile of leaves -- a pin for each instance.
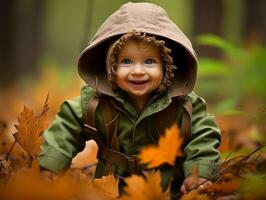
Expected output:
(240, 177)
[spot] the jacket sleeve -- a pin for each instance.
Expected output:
(201, 151)
(64, 138)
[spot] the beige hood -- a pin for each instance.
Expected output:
(141, 17)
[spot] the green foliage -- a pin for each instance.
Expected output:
(254, 186)
(239, 75)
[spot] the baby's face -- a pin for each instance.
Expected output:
(139, 68)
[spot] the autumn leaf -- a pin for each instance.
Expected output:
(168, 149)
(30, 128)
(28, 184)
(138, 188)
(105, 188)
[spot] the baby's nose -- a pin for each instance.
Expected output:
(138, 69)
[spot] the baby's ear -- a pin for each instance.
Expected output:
(109, 76)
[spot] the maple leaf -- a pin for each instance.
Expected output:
(105, 188)
(168, 149)
(30, 128)
(138, 188)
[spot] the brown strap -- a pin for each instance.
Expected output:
(127, 163)
(110, 120)
(91, 110)
(186, 120)
(168, 116)
(90, 125)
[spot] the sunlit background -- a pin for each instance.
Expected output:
(41, 40)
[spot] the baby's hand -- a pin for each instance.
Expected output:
(191, 182)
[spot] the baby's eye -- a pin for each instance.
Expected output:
(126, 61)
(149, 61)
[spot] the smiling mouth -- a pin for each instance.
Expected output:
(138, 82)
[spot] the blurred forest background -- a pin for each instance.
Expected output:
(40, 41)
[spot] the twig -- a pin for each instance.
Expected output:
(118, 176)
(228, 156)
(45, 106)
(9, 152)
(230, 166)
(241, 160)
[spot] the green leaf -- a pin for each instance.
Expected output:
(212, 67)
(228, 107)
(215, 41)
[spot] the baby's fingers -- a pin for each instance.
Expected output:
(203, 186)
(183, 189)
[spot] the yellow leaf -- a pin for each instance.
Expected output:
(30, 128)
(168, 149)
(138, 188)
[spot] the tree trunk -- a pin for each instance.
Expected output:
(207, 17)
(20, 38)
(255, 21)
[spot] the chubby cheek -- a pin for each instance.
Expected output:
(120, 83)
(157, 78)
(121, 79)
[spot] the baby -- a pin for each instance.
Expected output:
(140, 71)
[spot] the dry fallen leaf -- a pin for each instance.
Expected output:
(168, 149)
(30, 128)
(105, 188)
(138, 188)
(28, 184)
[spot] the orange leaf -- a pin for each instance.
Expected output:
(105, 188)
(168, 149)
(30, 128)
(140, 189)
(29, 185)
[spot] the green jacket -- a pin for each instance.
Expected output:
(65, 137)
